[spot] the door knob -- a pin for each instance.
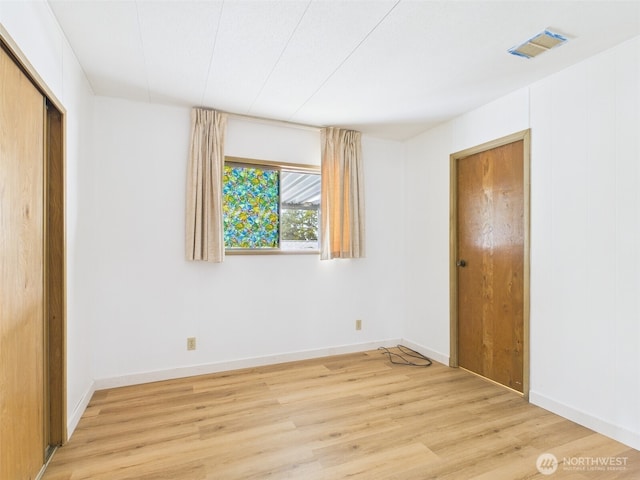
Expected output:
(461, 263)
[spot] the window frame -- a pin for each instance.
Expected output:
(279, 166)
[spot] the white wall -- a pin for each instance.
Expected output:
(585, 327)
(585, 235)
(427, 242)
(250, 309)
(34, 28)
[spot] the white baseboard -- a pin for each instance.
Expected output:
(170, 374)
(611, 430)
(432, 354)
(74, 418)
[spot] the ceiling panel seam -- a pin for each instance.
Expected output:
(213, 54)
(275, 64)
(364, 39)
(71, 46)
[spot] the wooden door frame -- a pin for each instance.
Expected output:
(55, 287)
(525, 136)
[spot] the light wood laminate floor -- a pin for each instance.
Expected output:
(352, 416)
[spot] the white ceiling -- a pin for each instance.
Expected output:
(386, 67)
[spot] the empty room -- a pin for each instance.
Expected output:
(319, 239)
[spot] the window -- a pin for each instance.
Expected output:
(270, 207)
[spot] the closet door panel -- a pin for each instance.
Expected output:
(22, 297)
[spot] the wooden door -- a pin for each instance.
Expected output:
(490, 263)
(22, 293)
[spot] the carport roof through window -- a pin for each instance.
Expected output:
(300, 190)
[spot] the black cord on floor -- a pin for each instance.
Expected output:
(425, 362)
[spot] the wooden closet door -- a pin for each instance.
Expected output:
(490, 233)
(22, 294)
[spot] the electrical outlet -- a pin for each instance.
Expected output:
(358, 324)
(191, 343)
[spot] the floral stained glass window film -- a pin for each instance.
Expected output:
(251, 204)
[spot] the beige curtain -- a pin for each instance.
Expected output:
(204, 235)
(342, 204)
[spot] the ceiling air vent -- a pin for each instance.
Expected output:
(538, 44)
